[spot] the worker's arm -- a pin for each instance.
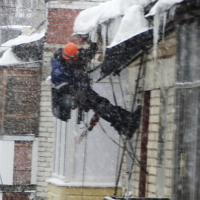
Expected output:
(89, 53)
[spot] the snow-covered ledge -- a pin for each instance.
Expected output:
(73, 4)
(58, 182)
(30, 137)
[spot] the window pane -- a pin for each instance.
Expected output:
(101, 152)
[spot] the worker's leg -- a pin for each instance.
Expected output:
(61, 105)
(123, 121)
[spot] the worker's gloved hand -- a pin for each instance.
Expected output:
(93, 121)
(94, 47)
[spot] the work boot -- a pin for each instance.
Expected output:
(127, 123)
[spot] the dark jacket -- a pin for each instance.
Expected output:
(65, 72)
(70, 81)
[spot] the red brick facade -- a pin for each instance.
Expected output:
(16, 196)
(22, 163)
(60, 26)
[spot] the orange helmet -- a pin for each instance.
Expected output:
(70, 51)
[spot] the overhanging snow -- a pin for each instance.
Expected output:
(129, 28)
(9, 57)
(90, 18)
(24, 39)
(161, 6)
(132, 23)
(132, 34)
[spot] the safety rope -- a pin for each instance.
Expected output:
(133, 156)
(115, 100)
(126, 138)
(84, 160)
(142, 64)
(118, 157)
(120, 84)
(137, 83)
(120, 169)
(113, 91)
(133, 104)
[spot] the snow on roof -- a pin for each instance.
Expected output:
(18, 27)
(116, 8)
(9, 58)
(128, 28)
(89, 19)
(161, 6)
(22, 39)
(59, 182)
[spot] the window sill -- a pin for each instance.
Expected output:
(58, 182)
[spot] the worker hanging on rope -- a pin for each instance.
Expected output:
(71, 89)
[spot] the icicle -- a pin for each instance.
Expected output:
(113, 28)
(93, 35)
(172, 12)
(156, 34)
(164, 24)
(103, 36)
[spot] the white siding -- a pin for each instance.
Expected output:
(34, 161)
(6, 161)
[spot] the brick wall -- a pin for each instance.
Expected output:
(45, 146)
(60, 20)
(153, 143)
(170, 143)
(160, 74)
(60, 25)
(59, 30)
(22, 163)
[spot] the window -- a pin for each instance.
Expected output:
(6, 161)
(18, 159)
(93, 160)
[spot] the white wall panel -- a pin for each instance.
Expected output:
(6, 161)
(34, 161)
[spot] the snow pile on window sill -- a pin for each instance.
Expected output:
(8, 57)
(59, 182)
(22, 39)
(161, 6)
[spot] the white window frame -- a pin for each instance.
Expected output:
(64, 170)
(69, 178)
(6, 162)
(7, 144)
